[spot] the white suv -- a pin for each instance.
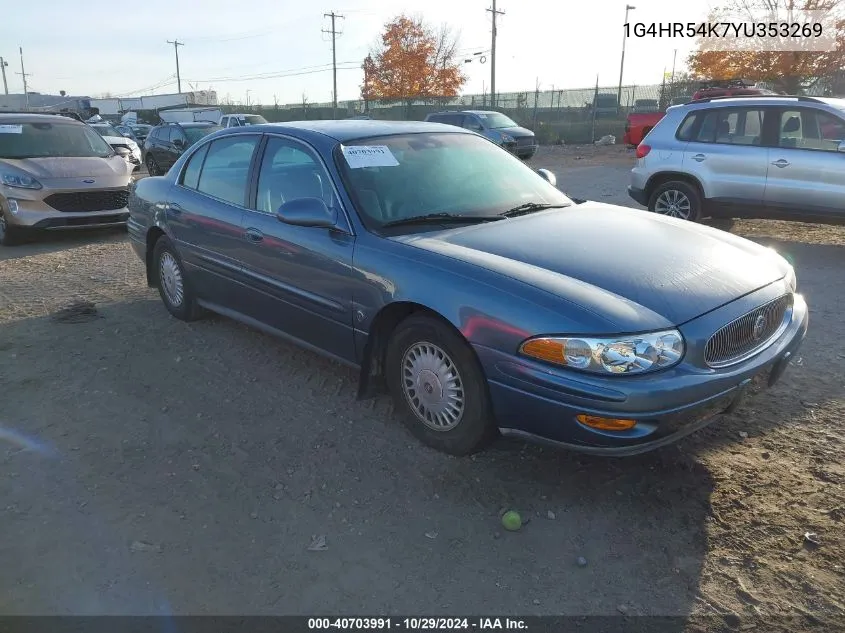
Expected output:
(240, 120)
(755, 157)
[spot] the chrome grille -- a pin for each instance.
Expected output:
(525, 141)
(749, 333)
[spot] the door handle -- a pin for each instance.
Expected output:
(781, 163)
(254, 235)
(699, 157)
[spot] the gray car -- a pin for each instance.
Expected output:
(754, 157)
(499, 128)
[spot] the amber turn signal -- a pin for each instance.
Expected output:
(605, 424)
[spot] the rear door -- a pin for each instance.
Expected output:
(727, 154)
(204, 216)
(177, 142)
(807, 172)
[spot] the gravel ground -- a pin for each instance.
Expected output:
(188, 468)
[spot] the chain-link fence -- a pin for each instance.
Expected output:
(556, 116)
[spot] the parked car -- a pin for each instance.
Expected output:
(137, 132)
(646, 105)
(495, 126)
(758, 157)
(638, 125)
(447, 270)
(57, 173)
(113, 137)
(241, 120)
(167, 142)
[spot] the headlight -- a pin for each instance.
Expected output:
(22, 181)
(620, 355)
(507, 138)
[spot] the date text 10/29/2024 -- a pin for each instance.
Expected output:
(416, 624)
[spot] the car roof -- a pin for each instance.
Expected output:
(26, 117)
(188, 123)
(353, 129)
(764, 99)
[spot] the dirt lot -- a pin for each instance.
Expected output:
(153, 466)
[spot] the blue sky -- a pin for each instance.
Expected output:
(276, 47)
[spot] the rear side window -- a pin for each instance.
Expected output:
(734, 126)
(685, 130)
(191, 175)
(225, 172)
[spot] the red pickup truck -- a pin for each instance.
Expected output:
(638, 124)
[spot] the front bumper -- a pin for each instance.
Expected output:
(540, 403)
(36, 214)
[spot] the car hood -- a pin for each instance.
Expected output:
(119, 140)
(633, 268)
(516, 132)
(44, 169)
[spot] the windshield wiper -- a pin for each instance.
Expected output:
(442, 218)
(531, 207)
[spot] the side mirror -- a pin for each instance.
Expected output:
(548, 176)
(841, 147)
(307, 212)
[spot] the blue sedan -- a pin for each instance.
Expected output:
(451, 274)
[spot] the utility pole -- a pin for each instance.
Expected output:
(3, 64)
(672, 80)
(334, 16)
(176, 45)
(628, 8)
(24, 75)
(495, 14)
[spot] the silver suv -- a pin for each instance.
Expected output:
(753, 157)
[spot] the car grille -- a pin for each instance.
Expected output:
(525, 141)
(84, 201)
(747, 334)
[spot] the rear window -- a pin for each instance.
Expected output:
(686, 127)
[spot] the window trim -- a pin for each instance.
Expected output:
(801, 108)
(180, 176)
(344, 226)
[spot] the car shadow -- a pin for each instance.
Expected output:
(180, 437)
(37, 243)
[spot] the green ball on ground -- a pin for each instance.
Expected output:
(511, 520)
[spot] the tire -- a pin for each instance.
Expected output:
(152, 166)
(9, 235)
(172, 283)
(676, 199)
(424, 344)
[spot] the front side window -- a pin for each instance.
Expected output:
(805, 128)
(290, 171)
(225, 172)
(453, 174)
(48, 140)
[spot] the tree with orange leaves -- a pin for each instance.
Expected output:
(787, 70)
(413, 62)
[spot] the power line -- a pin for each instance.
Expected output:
(334, 33)
(495, 14)
(277, 74)
(176, 45)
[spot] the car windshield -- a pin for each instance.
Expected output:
(106, 130)
(252, 119)
(496, 121)
(398, 177)
(196, 133)
(48, 140)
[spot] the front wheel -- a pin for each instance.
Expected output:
(172, 284)
(9, 235)
(676, 199)
(152, 166)
(438, 386)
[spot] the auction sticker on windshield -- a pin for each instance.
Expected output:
(11, 129)
(369, 156)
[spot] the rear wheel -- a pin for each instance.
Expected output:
(438, 386)
(676, 199)
(172, 283)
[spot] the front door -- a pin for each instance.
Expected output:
(807, 172)
(204, 215)
(300, 277)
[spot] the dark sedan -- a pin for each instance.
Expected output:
(467, 285)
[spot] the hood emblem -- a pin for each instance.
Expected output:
(88, 181)
(759, 327)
